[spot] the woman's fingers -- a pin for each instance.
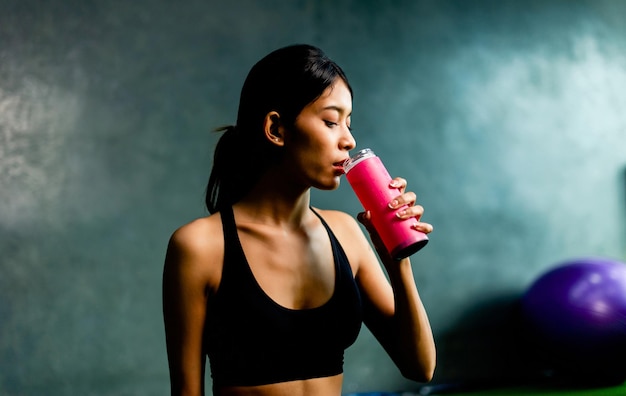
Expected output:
(410, 211)
(398, 183)
(407, 198)
(406, 203)
(405, 206)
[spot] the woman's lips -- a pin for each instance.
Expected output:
(339, 166)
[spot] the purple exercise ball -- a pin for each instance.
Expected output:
(580, 307)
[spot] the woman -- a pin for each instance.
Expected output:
(270, 288)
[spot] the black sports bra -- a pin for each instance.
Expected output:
(252, 340)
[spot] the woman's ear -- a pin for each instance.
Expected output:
(273, 128)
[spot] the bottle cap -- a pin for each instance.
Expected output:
(356, 158)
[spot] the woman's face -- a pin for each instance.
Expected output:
(318, 145)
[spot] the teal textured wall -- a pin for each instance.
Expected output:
(507, 118)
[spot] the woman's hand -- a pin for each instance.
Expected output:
(410, 211)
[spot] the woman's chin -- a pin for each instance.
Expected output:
(333, 185)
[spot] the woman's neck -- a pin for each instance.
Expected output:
(275, 201)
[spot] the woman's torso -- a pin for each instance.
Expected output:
(286, 308)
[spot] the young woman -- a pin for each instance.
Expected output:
(270, 288)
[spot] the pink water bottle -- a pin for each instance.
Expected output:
(370, 180)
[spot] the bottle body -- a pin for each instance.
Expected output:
(370, 180)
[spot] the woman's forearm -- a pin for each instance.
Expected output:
(414, 352)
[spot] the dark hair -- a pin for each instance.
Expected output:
(284, 81)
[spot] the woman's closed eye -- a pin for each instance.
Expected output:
(332, 124)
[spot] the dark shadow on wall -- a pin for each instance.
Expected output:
(493, 346)
(488, 346)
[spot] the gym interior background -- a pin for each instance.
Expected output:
(506, 117)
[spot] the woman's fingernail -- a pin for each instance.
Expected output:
(393, 204)
(400, 213)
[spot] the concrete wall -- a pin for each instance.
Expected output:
(507, 118)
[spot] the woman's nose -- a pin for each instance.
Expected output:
(349, 143)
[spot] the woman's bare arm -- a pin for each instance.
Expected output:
(394, 311)
(191, 268)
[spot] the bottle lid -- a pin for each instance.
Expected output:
(356, 158)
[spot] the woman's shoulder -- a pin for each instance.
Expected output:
(350, 235)
(344, 226)
(198, 234)
(197, 246)
(337, 220)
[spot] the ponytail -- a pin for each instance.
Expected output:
(219, 191)
(238, 163)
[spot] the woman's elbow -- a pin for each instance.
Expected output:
(420, 372)
(417, 375)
